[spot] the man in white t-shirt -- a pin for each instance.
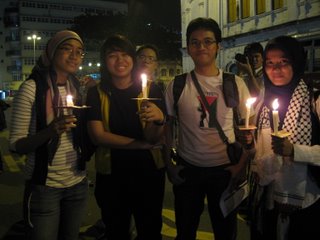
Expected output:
(203, 169)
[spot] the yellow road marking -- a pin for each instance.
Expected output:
(201, 235)
(11, 163)
(85, 228)
(168, 213)
(168, 231)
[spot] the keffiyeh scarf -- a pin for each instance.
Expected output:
(289, 178)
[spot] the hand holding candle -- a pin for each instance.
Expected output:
(144, 85)
(275, 116)
(249, 102)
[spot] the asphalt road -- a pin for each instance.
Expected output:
(11, 194)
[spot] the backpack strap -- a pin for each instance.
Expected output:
(178, 85)
(231, 95)
(222, 135)
(230, 90)
(229, 87)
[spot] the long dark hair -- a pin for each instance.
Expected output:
(116, 42)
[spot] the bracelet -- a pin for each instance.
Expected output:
(158, 123)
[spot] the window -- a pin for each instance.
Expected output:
(163, 72)
(54, 6)
(42, 5)
(260, 6)
(245, 8)
(238, 9)
(232, 11)
(16, 76)
(276, 4)
(29, 61)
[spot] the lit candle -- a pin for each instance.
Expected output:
(275, 115)
(144, 85)
(70, 101)
(249, 102)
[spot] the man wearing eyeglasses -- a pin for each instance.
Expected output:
(203, 168)
(147, 61)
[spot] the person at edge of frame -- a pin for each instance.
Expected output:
(286, 202)
(54, 138)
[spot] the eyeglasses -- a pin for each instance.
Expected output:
(279, 64)
(150, 59)
(68, 50)
(206, 43)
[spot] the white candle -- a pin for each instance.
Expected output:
(70, 101)
(144, 85)
(275, 116)
(249, 102)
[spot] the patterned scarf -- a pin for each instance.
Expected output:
(297, 119)
(290, 181)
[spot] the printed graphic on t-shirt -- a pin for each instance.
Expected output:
(207, 116)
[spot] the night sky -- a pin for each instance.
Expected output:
(166, 12)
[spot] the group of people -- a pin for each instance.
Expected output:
(129, 129)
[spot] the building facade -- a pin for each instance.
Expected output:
(20, 19)
(246, 21)
(167, 70)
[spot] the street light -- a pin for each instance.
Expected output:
(35, 38)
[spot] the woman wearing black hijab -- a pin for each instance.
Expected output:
(290, 194)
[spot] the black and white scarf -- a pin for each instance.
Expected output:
(297, 119)
(290, 181)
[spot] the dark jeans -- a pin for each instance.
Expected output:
(54, 213)
(131, 193)
(202, 182)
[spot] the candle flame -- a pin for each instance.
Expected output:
(250, 101)
(69, 101)
(275, 104)
(144, 79)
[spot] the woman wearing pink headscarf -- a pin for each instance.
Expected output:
(53, 137)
